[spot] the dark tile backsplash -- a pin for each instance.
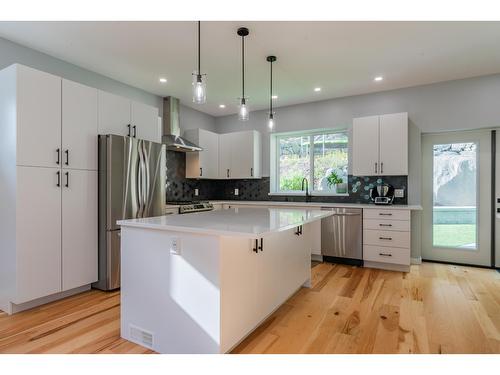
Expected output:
(181, 189)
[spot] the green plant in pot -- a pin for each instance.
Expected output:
(336, 182)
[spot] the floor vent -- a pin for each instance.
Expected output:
(141, 336)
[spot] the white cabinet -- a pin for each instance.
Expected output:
(38, 234)
(38, 110)
(79, 228)
(394, 144)
(145, 120)
(240, 155)
(380, 145)
(79, 126)
(122, 116)
(202, 164)
(114, 114)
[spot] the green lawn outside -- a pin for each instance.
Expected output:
(454, 235)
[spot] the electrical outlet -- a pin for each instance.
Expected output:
(175, 246)
(399, 193)
(236, 191)
(196, 192)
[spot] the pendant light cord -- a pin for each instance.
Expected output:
(243, 65)
(271, 93)
(199, 48)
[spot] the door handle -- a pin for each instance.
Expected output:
(67, 157)
(261, 247)
(385, 238)
(128, 126)
(255, 249)
(227, 173)
(201, 171)
(251, 172)
(58, 151)
(135, 131)
(385, 254)
(381, 167)
(67, 179)
(58, 179)
(376, 164)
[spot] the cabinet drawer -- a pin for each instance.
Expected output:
(388, 225)
(374, 213)
(386, 254)
(386, 238)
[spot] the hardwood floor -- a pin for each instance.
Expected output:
(435, 308)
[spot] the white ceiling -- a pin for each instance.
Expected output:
(340, 57)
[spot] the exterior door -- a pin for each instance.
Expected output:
(38, 222)
(365, 135)
(456, 220)
(79, 228)
(79, 126)
(38, 118)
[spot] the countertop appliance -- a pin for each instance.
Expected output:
(342, 235)
(132, 177)
(196, 206)
(382, 194)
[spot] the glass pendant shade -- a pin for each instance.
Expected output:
(243, 114)
(199, 88)
(271, 122)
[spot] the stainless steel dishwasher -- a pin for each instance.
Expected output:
(342, 236)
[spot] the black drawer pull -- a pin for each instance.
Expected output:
(135, 131)
(58, 179)
(228, 173)
(67, 179)
(67, 157)
(255, 249)
(58, 156)
(384, 214)
(385, 225)
(385, 254)
(385, 238)
(261, 247)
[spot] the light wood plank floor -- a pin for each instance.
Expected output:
(433, 309)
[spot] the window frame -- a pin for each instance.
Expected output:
(275, 160)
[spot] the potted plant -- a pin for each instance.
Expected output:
(336, 183)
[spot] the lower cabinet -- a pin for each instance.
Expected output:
(256, 281)
(79, 228)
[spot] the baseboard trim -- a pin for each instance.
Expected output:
(15, 308)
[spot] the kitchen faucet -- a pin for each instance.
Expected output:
(304, 180)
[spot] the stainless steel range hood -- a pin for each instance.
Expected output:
(171, 127)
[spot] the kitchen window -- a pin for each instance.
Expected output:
(319, 156)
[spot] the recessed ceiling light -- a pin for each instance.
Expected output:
(274, 96)
(222, 106)
(317, 89)
(163, 80)
(378, 79)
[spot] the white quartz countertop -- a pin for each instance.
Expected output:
(248, 222)
(313, 205)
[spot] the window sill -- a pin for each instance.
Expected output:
(302, 194)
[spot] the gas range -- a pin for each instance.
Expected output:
(187, 207)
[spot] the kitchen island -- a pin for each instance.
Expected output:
(200, 283)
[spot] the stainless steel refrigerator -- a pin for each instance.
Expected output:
(132, 178)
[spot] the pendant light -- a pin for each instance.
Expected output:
(199, 80)
(271, 120)
(243, 111)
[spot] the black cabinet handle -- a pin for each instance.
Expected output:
(301, 230)
(384, 214)
(376, 167)
(261, 247)
(385, 225)
(382, 167)
(255, 249)
(251, 172)
(67, 179)
(228, 173)
(67, 157)
(58, 156)
(297, 233)
(385, 254)
(58, 179)
(385, 238)
(201, 171)
(135, 131)
(128, 126)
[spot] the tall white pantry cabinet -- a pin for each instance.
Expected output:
(48, 188)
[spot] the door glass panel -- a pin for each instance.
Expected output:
(454, 195)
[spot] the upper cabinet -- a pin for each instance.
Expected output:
(240, 155)
(79, 126)
(224, 156)
(122, 116)
(203, 164)
(38, 102)
(380, 145)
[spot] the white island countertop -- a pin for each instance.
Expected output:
(248, 222)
